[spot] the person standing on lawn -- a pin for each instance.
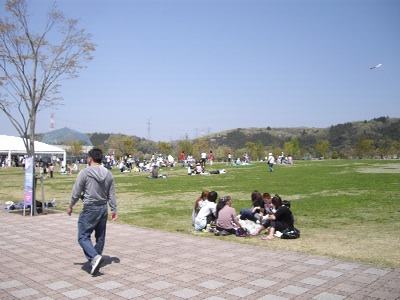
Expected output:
(229, 158)
(211, 158)
(95, 186)
(182, 159)
(203, 159)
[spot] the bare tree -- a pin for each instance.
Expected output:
(31, 66)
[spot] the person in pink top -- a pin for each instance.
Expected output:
(226, 216)
(211, 158)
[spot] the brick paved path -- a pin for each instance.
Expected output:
(41, 259)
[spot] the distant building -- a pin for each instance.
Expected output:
(65, 136)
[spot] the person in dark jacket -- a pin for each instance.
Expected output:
(279, 221)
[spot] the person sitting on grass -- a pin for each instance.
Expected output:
(226, 216)
(199, 204)
(190, 171)
(154, 172)
(279, 221)
(268, 207)
(287, 204)
(207, 212)
(199, 168)
(257, 208)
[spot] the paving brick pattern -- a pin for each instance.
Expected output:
(41, 259)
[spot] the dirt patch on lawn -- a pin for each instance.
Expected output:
(381, 168)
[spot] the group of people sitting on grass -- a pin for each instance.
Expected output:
(266, 213)
(199, 169)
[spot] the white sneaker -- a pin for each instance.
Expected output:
(96, 264)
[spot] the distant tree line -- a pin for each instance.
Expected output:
(376, 138)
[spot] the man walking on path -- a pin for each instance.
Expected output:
(95, 186)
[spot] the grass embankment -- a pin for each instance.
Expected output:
(347, 209)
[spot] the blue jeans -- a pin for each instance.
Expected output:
(271, 167)
(247, 214)
(92, 218)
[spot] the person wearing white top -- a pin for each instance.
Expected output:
(207, 212)
(271, 161)
(203, 159)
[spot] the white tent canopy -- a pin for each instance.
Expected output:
(15, 145)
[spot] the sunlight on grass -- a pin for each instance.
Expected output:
(344, 208)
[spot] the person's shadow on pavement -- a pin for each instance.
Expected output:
(107, 260)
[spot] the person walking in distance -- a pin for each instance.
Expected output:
(271, 162)
(95, 186)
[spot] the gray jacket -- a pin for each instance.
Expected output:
(95, 185)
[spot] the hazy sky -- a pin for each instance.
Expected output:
(167, 68)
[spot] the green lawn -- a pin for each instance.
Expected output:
(344, 208)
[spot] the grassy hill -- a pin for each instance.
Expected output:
(382, 134)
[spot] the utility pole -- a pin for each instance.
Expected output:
(148, 129)
(51, 121)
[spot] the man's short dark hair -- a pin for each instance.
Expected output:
(96, 154)
(212, 196)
